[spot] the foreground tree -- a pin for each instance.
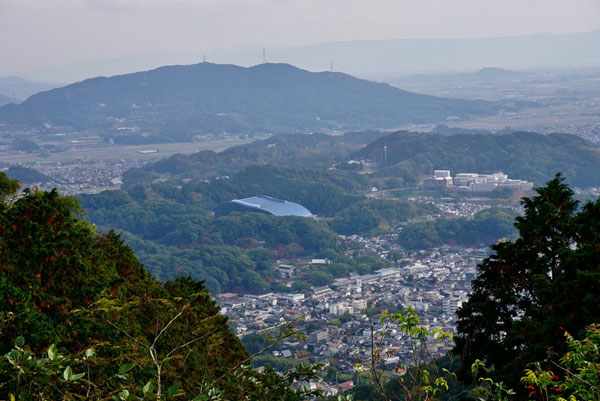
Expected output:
(530, 290)
(122, 334)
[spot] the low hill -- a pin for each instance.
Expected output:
(27, 175)
(314, 150)
(487, 226)
(181, 101)
(524, 155)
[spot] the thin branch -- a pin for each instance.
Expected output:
(185, 345)
(126, 333)
(168, 324)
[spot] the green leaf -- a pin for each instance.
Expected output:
(124, 394)
(77, 376)
(38, 363)
(171, 391)
(52, 352)
(68, 373)
(13, 354)
(147, 388)
(89, 353)
(126, 368)
(20, 341)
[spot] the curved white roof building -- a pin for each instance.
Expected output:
(263, 204)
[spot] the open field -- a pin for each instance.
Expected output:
(88, 165)
(98, 151)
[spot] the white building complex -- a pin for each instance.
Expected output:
(476, 182)
(488, 182)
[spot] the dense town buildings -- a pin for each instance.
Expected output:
(338, 319)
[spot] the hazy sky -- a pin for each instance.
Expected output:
(38, 34)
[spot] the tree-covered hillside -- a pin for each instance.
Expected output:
(363, 217)
(312, 151)
(322, 191)
(171, 227)
(177, 102)
(27, 175)
(487, 227)
(80, 318)
(524, 155)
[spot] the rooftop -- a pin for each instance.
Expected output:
(263, 203)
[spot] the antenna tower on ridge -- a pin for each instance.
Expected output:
(264, 56)
(331, 65)
(384, 156)
(204, 58)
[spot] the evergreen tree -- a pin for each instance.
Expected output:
(529, 290)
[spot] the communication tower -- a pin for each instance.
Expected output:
(384, 156)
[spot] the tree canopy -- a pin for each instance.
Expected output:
(65, 287)
(486, 227)
(533, 288)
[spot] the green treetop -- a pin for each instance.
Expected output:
(531, 289)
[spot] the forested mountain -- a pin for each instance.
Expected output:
(525, 155)
(180, 101)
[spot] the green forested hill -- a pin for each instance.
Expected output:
(323, 192)
(180, 101)
(27, 175)
(312, 151)
(487, 227)
(171, 228)
(525, 155)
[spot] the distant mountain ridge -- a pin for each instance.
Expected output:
(5, 99)
(17, 89)
(181, 101)
(371, 58)
(367, 58)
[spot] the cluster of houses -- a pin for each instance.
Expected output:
(339, 319)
